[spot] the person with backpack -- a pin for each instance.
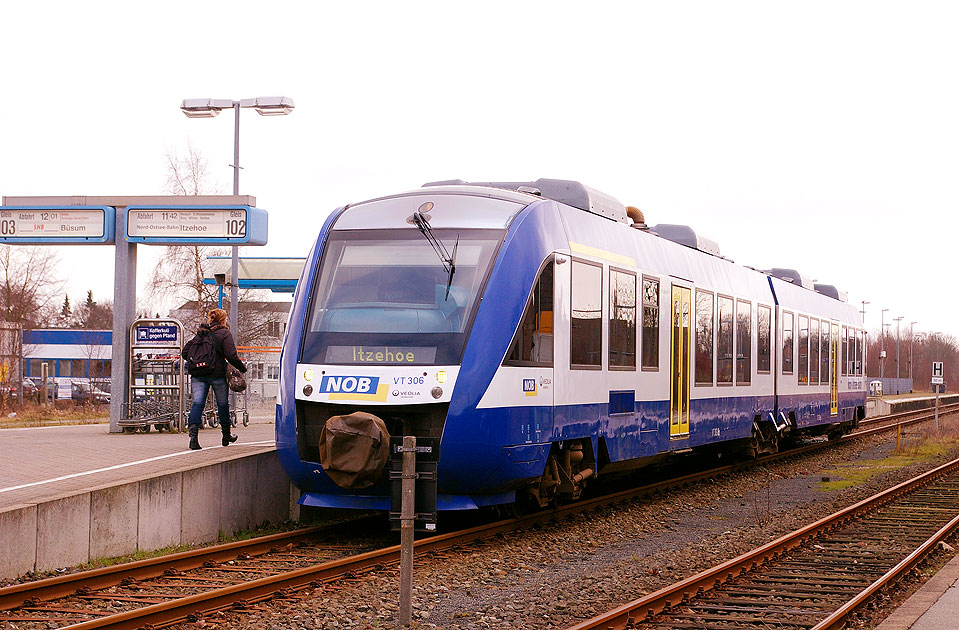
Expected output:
(206, 356)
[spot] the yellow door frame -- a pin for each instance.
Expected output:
(834, 370)
(679, 364)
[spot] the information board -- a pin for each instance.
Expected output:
(57, 224)
(156, 335)
(240, 225)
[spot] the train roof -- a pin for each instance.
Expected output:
(566, 191)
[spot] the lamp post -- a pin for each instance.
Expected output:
(882, 341)
(911, 339)
(210, 107)
(863, 311)
(898, 375)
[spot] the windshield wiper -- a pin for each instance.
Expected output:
(422, 223)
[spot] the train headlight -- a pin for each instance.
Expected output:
(441, 376)
(437, 392)
(307, 389)
(308, 375)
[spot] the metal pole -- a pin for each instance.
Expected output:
(235, 252)
(882, 340)
(407, 517)
(898, 374)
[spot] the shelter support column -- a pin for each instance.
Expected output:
(124, 312)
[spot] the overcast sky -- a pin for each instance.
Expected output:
(820, 136)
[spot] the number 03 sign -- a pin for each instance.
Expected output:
(182, 225)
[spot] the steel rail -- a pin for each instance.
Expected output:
(96, 579)
(838, 618)
(681, 592)
(42, 590)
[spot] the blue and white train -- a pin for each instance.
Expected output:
(547, 336)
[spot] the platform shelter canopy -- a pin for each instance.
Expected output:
(276, 274)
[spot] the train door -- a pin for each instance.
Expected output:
(834, 371)
(679, 375)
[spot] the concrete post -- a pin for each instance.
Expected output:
(124, 311)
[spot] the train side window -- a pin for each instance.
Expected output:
(744, 346)
(622, 319)
(824, 348)
(763, 338)
(724, 345)
(705, 318)
(650, 323)
(787, 342)
(860, 349)
(803, 357)
(533, 343)
(586, 316)
(845, 351)
(813, 351)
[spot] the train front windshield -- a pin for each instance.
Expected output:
(387, 297)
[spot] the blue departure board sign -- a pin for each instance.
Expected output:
(196, 225)
(57, 225)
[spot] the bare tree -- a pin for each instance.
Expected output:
(29, 285)
(179, 274)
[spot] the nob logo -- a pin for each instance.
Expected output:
(349, 384)
(529, 386)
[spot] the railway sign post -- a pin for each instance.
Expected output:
(937, 383)
(413, 481)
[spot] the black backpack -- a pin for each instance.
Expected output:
(200, 354)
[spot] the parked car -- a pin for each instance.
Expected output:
(85, 393)
(30, 390)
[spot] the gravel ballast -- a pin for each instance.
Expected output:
(555, 575)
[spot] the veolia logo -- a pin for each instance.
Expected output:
(349, 384)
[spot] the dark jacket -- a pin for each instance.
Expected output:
(226, 346)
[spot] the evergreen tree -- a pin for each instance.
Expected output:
(65, 310)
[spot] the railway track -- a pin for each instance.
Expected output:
(165, 590)
(815, 577)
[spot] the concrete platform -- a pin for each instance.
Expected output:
(935, 606)
(69, 494)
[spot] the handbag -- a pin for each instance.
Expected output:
(235, 379)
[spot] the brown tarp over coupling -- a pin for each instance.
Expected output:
(354, 449)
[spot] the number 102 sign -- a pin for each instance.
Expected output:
(188, 225)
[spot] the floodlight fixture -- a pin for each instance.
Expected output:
(269, 105)
(204, 107)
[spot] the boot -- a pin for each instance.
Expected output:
(194, 430)
(228, 438)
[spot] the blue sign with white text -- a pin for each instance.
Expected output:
(155, 336)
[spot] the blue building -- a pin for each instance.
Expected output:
(68, 352)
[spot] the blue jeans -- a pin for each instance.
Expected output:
(201, 387)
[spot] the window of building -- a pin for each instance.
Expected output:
(744, 359)
(650, 323)
(825, 348)
(813, 351)
(803, 358)
(273, 372)
(586, 315)
(724, 341)
(764, 318)
(533, 343)
(787, 342)
(622, 319)
(705, 318)
(274, 329)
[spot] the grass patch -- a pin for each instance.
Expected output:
(854, 474)
(60, 413)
